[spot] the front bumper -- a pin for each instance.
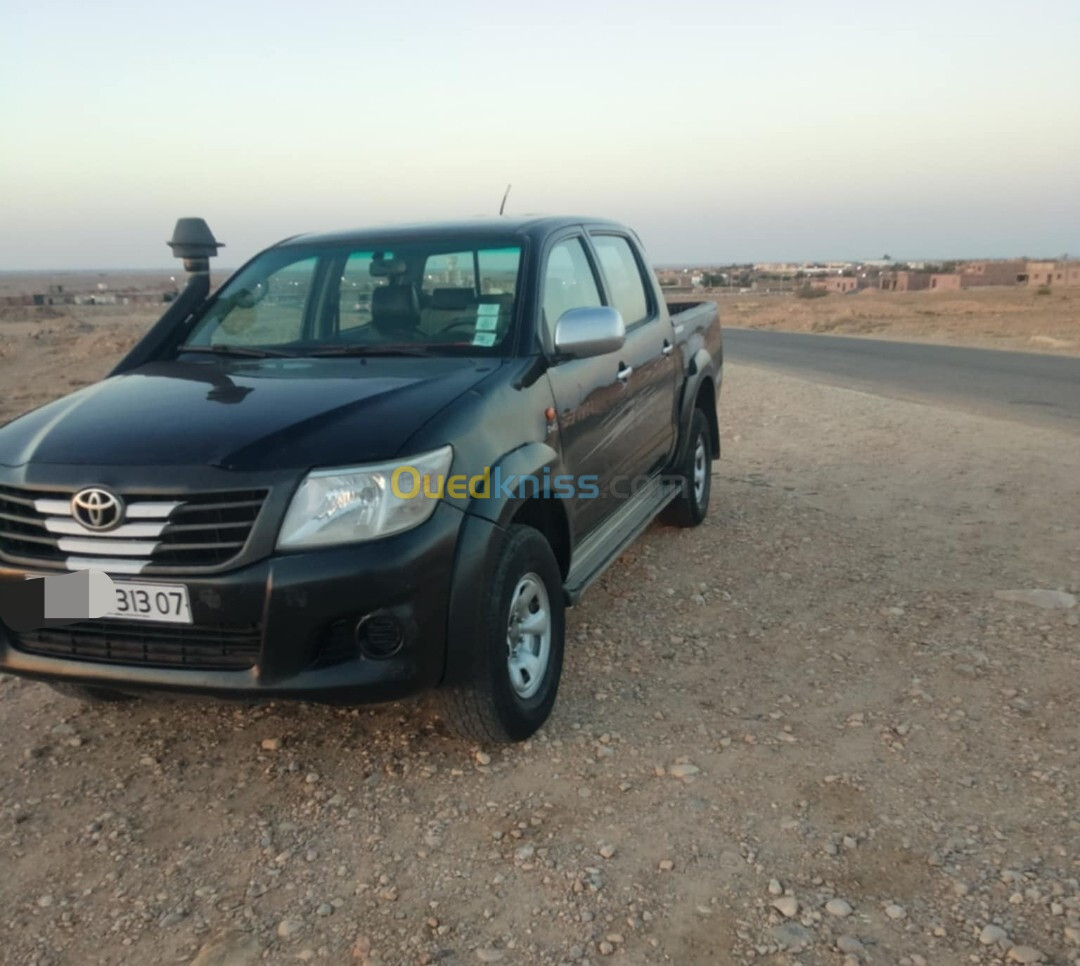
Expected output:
(305, 606)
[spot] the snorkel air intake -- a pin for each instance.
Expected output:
(194, 242)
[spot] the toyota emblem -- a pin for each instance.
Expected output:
(97, 509)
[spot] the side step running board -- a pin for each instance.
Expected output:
(615, 534)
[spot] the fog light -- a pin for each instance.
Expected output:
(379, 636)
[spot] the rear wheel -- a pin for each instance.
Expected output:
(519, 650)
(91, 694)
(694, 474)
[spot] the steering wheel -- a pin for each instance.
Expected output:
(456, 324)
(398, 333)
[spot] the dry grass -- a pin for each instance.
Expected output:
(1001, 318)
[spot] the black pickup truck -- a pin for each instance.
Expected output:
(371, 463)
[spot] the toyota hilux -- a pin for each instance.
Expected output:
(370, 463)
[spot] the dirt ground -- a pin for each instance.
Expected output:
(807, 732)
(1001, 318)
(46, 352)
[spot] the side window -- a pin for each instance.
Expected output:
(568, 281)
(623, 276)
(357, 284)
(267, 311)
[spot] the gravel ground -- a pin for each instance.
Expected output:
(809, 731)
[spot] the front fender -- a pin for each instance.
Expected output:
(474, 560)
(511, 482)
(479, 543)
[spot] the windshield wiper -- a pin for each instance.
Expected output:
(237, 350)
(371, 350)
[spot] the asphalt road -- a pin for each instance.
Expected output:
(1020, 385)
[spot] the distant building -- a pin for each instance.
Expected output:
(946, 282)
(1061, 273)
(777, 268)
(685, 278)
(993, 272)
(51, 297)
(1069, 273)
(1040, 273)
(904, 281)
(841, 284)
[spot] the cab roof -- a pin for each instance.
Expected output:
(536, 228)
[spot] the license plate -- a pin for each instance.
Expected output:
(152, 602)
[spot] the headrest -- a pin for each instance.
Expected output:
(452, 298)
(383, 266)
(395, 308)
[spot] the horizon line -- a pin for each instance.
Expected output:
(667, 264)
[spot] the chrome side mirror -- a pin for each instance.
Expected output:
(591, 331)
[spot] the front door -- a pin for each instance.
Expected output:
(594, 431)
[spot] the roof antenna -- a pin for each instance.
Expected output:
(506, 194)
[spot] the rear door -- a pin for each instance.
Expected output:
(588, 393)
(650, 385)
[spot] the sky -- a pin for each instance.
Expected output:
(777, 130)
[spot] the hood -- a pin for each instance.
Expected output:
(243, 415)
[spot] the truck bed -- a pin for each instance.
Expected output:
(692, 317)
(677, 308)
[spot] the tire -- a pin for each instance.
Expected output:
(694, 474)
(516, 674)
(91, 695)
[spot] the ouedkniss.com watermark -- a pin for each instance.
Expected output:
(409, 482)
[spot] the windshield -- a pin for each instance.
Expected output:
(409, 299)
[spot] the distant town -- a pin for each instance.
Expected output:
(885, 274)
(805, 279)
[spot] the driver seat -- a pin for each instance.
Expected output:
(395, 310)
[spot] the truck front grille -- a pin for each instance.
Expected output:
(205, 647)
(161, 533)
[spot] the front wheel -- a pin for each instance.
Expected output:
(694, 476)
(519, 651)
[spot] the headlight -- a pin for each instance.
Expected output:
(356, 503)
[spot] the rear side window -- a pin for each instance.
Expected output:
(622, 273)
(498, 270)
(497, 267)
(469, 295)
(454, 270)
(568, 281)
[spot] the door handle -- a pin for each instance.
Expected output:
(625, 372)
(668, 348)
